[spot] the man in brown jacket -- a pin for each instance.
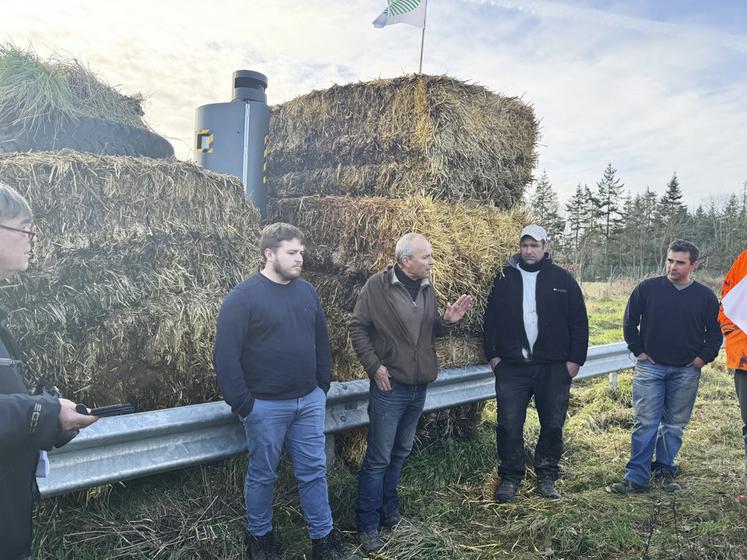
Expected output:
(393, 332)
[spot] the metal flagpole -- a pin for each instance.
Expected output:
(422, 37)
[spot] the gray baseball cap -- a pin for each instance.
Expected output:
(534, 231)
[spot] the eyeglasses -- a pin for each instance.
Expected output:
(31, 234)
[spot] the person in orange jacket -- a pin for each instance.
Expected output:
(736, 347)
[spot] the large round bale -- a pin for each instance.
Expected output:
(401, 136)
(357, 236)
(59, 103)
(133, 260)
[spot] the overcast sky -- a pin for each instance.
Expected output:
(652, 86)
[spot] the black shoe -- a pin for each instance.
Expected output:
(626, 486)
(370, 541)
(506, 491)
(666, 478)
(262, 548)
(329, 548)
(390, 523)
(546, 489)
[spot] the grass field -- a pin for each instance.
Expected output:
(447, 488)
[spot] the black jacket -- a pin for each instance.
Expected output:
(562, 321)
(27, 424)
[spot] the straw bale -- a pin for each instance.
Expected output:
(76, 194)
(159, 355)
(127, 246)
(399, 136)
(60, 103)
(459, 422)
(336, 291)
(357, 236)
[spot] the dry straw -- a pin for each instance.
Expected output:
(453, 140)
(357, 236)
(134, 258)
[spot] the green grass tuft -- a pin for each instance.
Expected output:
(36, 92)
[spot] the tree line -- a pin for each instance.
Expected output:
(605, 231)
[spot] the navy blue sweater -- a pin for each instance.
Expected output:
(271, 343)
(676, 326)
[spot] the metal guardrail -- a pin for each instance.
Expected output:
(147, 443)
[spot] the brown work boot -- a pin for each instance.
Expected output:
(668, 484)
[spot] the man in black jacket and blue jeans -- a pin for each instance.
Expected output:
(536, 338)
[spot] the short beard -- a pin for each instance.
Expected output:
(288, 275)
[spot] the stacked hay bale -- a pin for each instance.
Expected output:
(357, 166)
(58, 103)
(133, 259)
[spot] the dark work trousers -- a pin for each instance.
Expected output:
(515, 385)
(740, 381)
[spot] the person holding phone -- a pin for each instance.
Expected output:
(28, 424)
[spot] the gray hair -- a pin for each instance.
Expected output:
(404, 247)
(12, 204)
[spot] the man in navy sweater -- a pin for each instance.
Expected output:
(671, 326)
(273, 361)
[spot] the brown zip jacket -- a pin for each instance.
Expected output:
(379, 334)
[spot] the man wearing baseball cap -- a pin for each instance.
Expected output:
(536, 338)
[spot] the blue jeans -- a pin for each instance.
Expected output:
(663, 400)
(298, 423)
(393, 417)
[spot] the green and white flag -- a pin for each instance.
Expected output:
(411, 12)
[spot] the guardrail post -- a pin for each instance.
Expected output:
(329, 449)
(613, 381)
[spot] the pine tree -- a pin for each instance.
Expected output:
(728, 238)
(574, 210)
(672, 212)
(650, 232)
(609, 204)
(590, 212)
(702, 232)
(545, 211)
